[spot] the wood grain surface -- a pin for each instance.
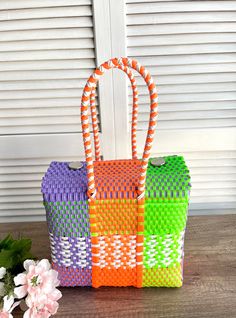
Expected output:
(209, 277)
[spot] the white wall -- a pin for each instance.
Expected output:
(48, 49)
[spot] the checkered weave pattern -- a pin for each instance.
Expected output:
(115, 244)
(118, 222)
(71, 251)
(66, 203)
(114, 223)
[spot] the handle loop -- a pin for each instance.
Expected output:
(97, 147)
(89, 87)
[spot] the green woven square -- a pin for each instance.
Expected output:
(164, 218)
(163, 277)
(67, 218)
(169, 182)
(167, 196)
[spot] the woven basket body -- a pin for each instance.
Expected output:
(115, 238)
(118, 222)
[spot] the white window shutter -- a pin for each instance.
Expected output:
(189, 48)
(46, 54)
(48, 49)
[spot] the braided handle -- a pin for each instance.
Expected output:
(89, 87)
(131, 77)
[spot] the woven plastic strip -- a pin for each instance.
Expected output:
(116, 264)
(71, 257)
(134, 116)
(68, 218)
(71, 251)
(91, 84)
(70, 276)
(167, 196)
(93, 205)
(166, 203)
(163, 277)
(163, 260)
(163, 250)
(115, 212)
(66, 201)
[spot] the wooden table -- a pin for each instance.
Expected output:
(209, 277)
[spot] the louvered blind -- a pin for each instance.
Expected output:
(47, 51)
(189, 48)
(46, 54)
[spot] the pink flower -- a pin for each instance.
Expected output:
(38, 279)
(39, 283)
(43, 306)
(8, 306)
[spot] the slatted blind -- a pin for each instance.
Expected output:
(46, 54)
(48, 49)
(189, 48)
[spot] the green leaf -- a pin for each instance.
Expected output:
(6, 242)
(14, 253)
(28, 255)
(22, 245)
(6, 259)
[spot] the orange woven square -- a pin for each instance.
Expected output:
(116, 179)
(115, 208)
(116, 216)
(115, 255)
(114, 277)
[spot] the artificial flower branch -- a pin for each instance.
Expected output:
(24, 279)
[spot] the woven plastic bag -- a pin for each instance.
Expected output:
(118, 222)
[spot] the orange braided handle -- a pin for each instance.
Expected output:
(89, 87)
(134, 116)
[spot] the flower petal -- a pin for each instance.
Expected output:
(55, 294)
(29, 301)
(51, 306)
(14, 306)
(20, 291)
(49, 281)
(44, 263)
(45, 314)
(20, 279)
(27, 314)
(53, 276)
(35, 299)
(27, 264)
(2, 272)
(8, 301)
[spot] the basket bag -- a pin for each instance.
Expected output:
(118, 222)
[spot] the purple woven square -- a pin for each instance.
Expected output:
(65, 200)
(69, 276)
(61, 183)
(71, 256)
(71, 251)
